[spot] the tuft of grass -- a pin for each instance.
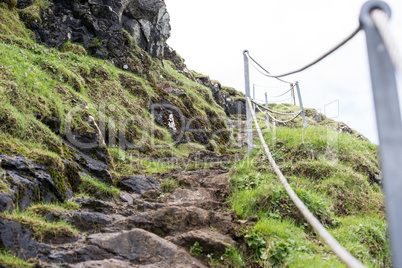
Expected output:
(196, 249)
(45, 208)
(169, 184)
(9, 260)
(4, 187)
(41, 229)
(97, 189)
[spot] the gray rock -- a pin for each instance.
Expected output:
(139, 184)
(94, 204)
(30, 182)
(88, 221)
(17, 240)
(80, 253)
(144, 248)
(109, 263)
(80, 22)
(210, 241)
(6, 203)
(317, 117)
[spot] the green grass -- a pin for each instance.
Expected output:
(9, 260)
(45, 208)
(333, 174)
(42, 229)
(97, 189)
(4, 187)
(35, 79)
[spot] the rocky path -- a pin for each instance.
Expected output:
(149, 228)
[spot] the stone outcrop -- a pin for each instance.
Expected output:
(98, 26)
(148, 22)
(231, 100)
(30, 182)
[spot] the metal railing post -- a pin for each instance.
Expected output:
(266, 105)
(301, 104)
(248, 111)
(388, 122)
(293, 94)
(253, 97)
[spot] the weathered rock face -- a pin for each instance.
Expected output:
(30, 182)
(98, 26)
(17, 240)
(148, 22)
(229, 99)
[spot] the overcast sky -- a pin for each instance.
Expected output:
(283, 35)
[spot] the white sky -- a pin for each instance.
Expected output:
(283, 35)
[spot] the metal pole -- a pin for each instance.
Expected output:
(266, 105)
(253, 97)
(293, 94)
(301, 104)
(388, 122)
(248, 111)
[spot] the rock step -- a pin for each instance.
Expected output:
(209, 240)
(137, 247)
(171, 220)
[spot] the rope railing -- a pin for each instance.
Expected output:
(284, 121)
(275, 101)
(261, 108)
(341, 252)
(384, 60)
(264, 71)
(272, 111)
(268, 74)
(277, 96)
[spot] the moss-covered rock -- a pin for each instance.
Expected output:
(9, 3)
(74, 48)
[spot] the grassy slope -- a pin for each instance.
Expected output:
(36, 79)
(333, 174)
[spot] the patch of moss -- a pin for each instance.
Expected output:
(10, 3)
(30, 15)
(41, 229)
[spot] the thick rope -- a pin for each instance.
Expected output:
(342, 253)
(292, 87)
(262, 68)
(274, 112)
(314, 62)
(285, 121)
(381, 21)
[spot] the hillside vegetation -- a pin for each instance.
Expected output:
(335, 174)
(40, 85)
(146, 125)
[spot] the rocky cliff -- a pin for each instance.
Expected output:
(99, 26)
